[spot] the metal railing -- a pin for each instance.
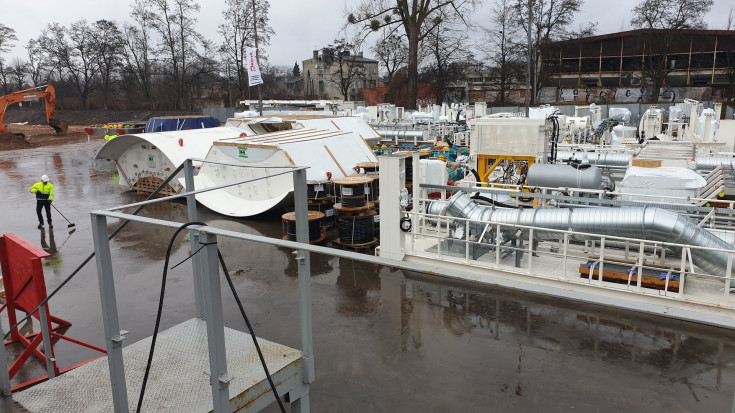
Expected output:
(443, 238)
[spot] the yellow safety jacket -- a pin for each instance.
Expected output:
(43, 190)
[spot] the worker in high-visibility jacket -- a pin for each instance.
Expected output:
(44, 191)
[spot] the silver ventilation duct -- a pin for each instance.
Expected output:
(705, 163)
(643, 223)
(553, 175)
(621, 160)
(601, 159)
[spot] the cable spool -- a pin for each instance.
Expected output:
(372, 188)
(327, 208)
(358, 229)
(315, 225)
(369, 168)
(316, 190)
(352, 189)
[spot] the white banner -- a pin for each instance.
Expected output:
(253, 69)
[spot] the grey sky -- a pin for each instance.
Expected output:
(300, 25)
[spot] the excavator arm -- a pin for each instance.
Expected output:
(47, 93)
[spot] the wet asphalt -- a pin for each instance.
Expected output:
(384, 341)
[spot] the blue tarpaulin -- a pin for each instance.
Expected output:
(172, 124)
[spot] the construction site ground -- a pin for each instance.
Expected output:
(29, 128)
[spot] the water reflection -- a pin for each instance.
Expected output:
(151, 240)
(358, 286)
(677, 351)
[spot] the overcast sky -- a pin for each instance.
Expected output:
(300, 25)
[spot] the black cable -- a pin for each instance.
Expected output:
(403, 221)
(356, 230)
(493, 202)
(160, 310)
(250, 328)
(189, 257)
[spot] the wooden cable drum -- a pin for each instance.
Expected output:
(315, 224)
(356, 229)
(316, 190)
(370, 168)
(372, 189)
(327, 208)
(352, 190)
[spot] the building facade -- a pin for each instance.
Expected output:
(621, 67)
(322, 77)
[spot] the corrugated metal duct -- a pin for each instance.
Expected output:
(601, 159)
(642, 223)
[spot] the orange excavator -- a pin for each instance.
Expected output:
(47, 93)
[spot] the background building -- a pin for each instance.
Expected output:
(622, 67)
(322, 77)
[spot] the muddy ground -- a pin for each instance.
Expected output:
(29, 129)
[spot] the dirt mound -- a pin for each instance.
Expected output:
(10, 141)
(34, 136)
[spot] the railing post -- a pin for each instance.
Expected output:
(497, 246)
(196, 264)
(530, 251)
(219, 377)
(602, 258)
(303, 260)
(48, 350)
(728, 275)
(565, 251)
(113, 335)
(639, 277)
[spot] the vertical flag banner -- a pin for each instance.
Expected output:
(253, 69)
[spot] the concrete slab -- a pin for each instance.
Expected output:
(179, 378)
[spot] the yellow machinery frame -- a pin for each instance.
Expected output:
(485, 168)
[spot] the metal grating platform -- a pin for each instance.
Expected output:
(179, 378)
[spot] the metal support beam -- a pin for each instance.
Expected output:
(303, 260)
(47, 348)
(196, 264)
(113, 335)
(219, 377)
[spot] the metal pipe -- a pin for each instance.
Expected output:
(408, 134)
(641, 223)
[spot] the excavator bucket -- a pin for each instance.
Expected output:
(60, 126)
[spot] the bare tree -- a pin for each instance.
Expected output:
(238, 33)
(668, 16)
(138, 51)
(39, 67)
(174, 21)
(108, 44)
(7, 39)
(551, 22)
(417, 18)
(730, 18)
(448, 59)
(671, 14)
(72, 50)
(347, 66)
(503, 51)
(18, 71)
(392, 53)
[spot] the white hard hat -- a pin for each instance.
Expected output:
(44, 178)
